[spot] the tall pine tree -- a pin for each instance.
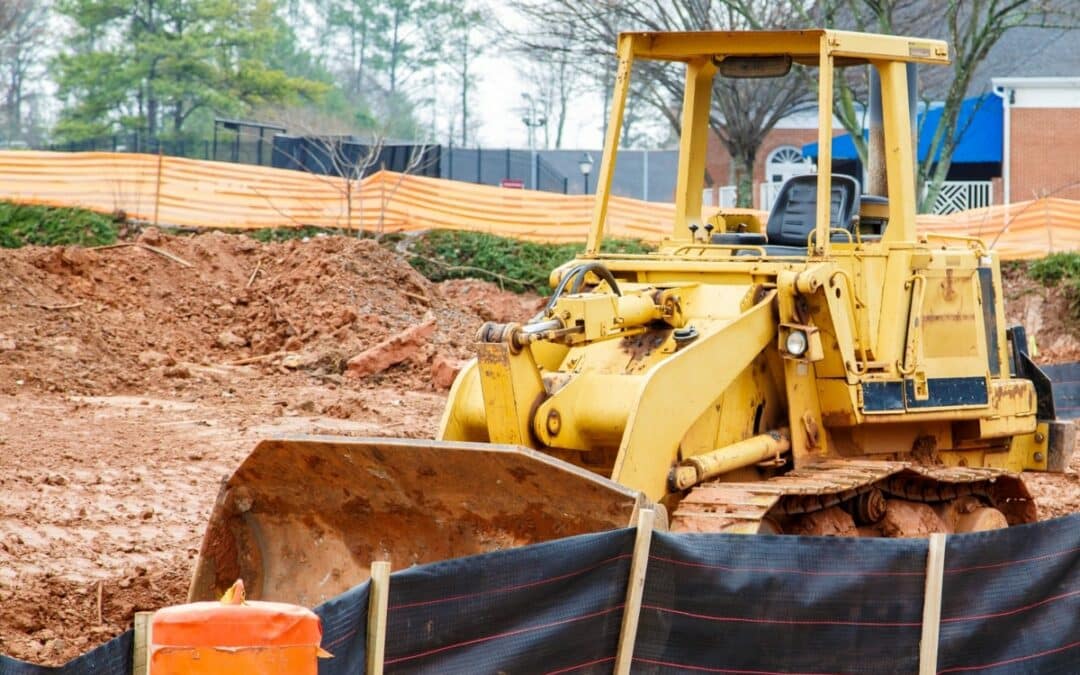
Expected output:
(155, 66)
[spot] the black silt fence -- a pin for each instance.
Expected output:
(546, 608)
(733, 603)
(712, 604)
(112, 658)
(1011, 600)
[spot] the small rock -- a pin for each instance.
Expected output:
(227, 339)
(147, 513)
(55, 647)
(294, 361)
(181, 372)
(56, 479)
(7, 344)
(76, 256)
(391, 351)
(151, 236)
(346, 317)
(444, 370)
(151, 359)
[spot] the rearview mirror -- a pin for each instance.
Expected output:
(753, 66)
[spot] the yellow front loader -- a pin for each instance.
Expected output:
(825, 371)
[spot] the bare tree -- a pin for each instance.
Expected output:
(342, 160)
(554, 80)
(22, 47)
(971, 27)
(743, 111)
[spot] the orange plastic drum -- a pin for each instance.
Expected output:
(252, 638)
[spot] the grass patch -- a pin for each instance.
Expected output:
(514, 264)
(26, 225)
(276, 234)
(1060, 269)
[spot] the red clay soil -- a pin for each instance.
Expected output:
(131, 385)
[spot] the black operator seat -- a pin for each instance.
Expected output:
(793, 214)
(792, 217)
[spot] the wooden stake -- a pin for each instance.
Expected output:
(376, 626)
(931, 620)
(635, 588)
(157, 188)
(143, 640)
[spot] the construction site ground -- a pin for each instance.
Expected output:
(134, 379)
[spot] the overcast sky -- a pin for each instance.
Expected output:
(499, 102)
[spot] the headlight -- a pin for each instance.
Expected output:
(796, 343)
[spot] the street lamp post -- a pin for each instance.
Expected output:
(585, 164)
(533, 119)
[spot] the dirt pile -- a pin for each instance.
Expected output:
(129, 319)
(1045, 314)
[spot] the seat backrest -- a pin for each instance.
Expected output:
(792, 217)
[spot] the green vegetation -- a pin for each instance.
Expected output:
(1060, 269)
(160, 68)
(23, 225)
(274, 234)
(514, 264)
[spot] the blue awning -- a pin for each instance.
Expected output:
(979, 128)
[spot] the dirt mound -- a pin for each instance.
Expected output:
(1044, 311)
(489, 302)
(130, 318)
(71, 618)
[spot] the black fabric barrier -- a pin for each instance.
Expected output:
(344, 623)
(763, 604)
(713, 603)
(549, 608)
(112, 658)
(1011, 600)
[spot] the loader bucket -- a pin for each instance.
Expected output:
(303, 518)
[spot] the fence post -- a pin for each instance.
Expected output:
(645, 175)
(479, 165)
(140, 662)
(931, 621)
(157, 187)
(376, 624)
(635, 588)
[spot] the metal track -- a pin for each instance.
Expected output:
(744, 507)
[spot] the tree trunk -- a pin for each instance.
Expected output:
(395, 47)
(744, 177)
(465, 88)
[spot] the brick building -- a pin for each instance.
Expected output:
(1041, 137)
(1024, 141)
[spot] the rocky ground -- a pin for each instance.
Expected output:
(134, 379)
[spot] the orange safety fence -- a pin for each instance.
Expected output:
(203, 194)
(194, 193)
(1030, 229)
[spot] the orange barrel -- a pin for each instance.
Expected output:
(253, 638)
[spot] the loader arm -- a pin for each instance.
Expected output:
(678, 390)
